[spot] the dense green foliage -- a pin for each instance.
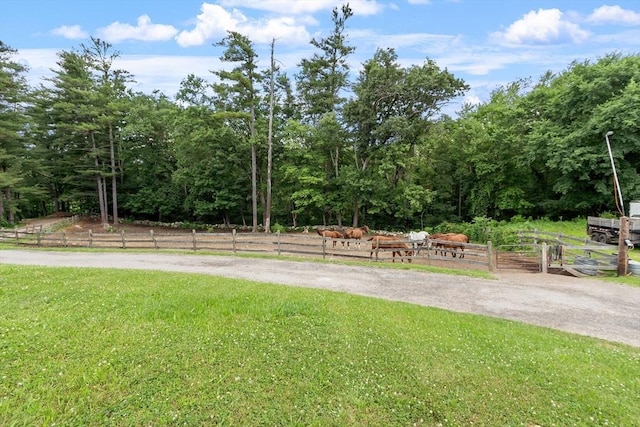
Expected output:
(373, 148)
(115, 347)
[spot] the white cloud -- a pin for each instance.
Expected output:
(546, 26)
(472, 99)
(297, 7)
(72, 32)
(425, 42)
(614, 15)
(161, 72)
(39, 62)
(145, 30)
(282, 29)
(214, 22)
(165, 72)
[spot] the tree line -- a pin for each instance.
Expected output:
(322, 146)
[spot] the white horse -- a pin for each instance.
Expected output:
(417, 239)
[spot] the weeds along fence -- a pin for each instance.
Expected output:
(301, 244)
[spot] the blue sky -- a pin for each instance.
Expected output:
(487, 43)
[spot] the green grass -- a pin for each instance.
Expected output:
(576, 227)
(114, 347)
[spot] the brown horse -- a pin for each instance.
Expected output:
(457, 241)
(390, 242)
(330, 234)
(356, 234)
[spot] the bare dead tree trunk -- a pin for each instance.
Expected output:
(101, 196)
(267, 210)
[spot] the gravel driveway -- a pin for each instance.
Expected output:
(582, 306)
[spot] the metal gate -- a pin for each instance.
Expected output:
(523, 257)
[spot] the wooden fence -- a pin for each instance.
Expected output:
(544, 251)
(299, 244)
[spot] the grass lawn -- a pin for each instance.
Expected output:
(116, 347)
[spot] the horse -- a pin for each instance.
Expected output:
(458, 241)
(356, 233)
(417, 239)
(330, 234)
(390, 242)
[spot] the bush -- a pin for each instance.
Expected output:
(277, 228)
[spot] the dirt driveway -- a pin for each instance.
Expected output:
(582, 306)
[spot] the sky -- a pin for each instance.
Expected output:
(486, 43)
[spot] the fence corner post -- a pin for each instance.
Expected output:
(545, 258)
(491, 259)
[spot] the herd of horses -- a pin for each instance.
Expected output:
(412, 244)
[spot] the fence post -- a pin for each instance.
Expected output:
(64, 239)
(193, 235)
(90, 238)
(278, 234)
(545, 258)
(377, 245)
(124, 242)
(491, 260)
(153, 237)
(40, 236)
(17, 238)
(324, 247)
(233, 238)
(623, 255)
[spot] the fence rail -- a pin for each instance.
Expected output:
(537, 251)
(478, 256)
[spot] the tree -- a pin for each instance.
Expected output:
(392, 111)
(272, 77)
(323, 77)
(321, 85)
(73, 113)
(111, 90)
(503, 182)
(15, 162)
(302, 178)
(209, 167)
(237, 93)
(570, 115)
(148, 189)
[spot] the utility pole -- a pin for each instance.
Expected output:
(623, 234)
